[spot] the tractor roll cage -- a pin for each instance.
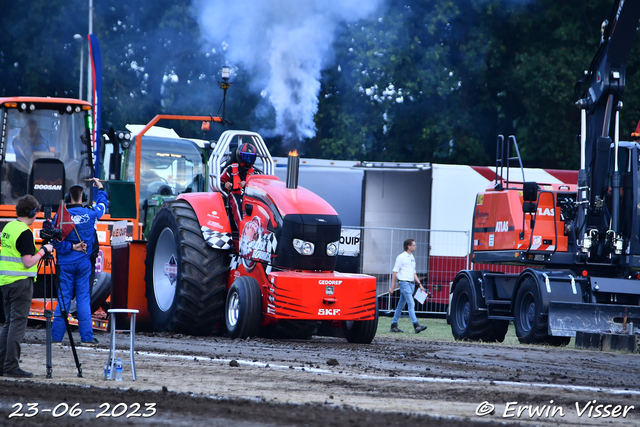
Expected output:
(221, 155)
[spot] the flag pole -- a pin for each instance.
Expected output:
(79, 239)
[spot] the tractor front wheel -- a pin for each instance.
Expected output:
(244, 308)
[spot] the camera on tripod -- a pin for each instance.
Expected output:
(48, 232)
(47, 235)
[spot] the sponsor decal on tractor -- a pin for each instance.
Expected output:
(328, 312)
(171, 269)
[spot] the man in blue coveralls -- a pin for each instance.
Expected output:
(74, 265)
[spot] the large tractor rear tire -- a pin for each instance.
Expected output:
(244, 308)
(465, 325)
(185, 278)
(361, 332)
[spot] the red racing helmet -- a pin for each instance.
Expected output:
(246, 154)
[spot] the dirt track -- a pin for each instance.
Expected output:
(259, 382)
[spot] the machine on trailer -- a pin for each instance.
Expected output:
(580, 242)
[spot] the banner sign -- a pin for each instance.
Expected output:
(349, 242)
(119, 233)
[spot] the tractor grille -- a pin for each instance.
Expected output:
(317, 229)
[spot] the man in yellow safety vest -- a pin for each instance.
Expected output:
(18, 267)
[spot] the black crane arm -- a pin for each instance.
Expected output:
(606, 83)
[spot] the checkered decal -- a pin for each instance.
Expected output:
(215, 239)
(272, 244)
(235, 262)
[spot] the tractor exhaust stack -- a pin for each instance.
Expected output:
(293, 169)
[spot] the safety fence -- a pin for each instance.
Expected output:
(439, 255)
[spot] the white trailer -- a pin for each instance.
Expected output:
(431, 203)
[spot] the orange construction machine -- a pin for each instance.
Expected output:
(45, 148)
(579, 244)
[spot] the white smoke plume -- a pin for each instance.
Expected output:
(284, 44)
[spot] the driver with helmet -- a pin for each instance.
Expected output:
(235, 176)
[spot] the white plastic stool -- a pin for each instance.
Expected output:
(112, 344)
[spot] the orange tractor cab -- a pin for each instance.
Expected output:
(195, 270)
(45, 148)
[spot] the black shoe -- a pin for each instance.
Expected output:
(419, 328)
(91, 343)
(18, 373)
(394, 328)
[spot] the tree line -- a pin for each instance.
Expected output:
(420, 81)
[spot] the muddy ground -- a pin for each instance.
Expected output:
(216, 381)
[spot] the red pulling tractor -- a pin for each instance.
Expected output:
(272, 274)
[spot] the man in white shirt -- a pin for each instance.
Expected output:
(405, 271)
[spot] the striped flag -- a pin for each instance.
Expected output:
(96, 68)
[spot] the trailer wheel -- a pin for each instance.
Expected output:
(244, 308)
(185, 278)
(465, 325)
(361, 332)
(531, 325)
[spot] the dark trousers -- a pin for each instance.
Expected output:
(17, 302)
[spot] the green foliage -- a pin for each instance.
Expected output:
(421, 81)
(29, 64)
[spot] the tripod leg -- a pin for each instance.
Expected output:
(48, 314)
(64, 315)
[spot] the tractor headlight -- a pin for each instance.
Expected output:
(332, 248)
(303, 248)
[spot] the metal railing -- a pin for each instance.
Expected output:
(439, 255)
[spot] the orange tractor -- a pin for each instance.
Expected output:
(270, 274)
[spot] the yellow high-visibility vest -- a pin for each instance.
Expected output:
(11, 267)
